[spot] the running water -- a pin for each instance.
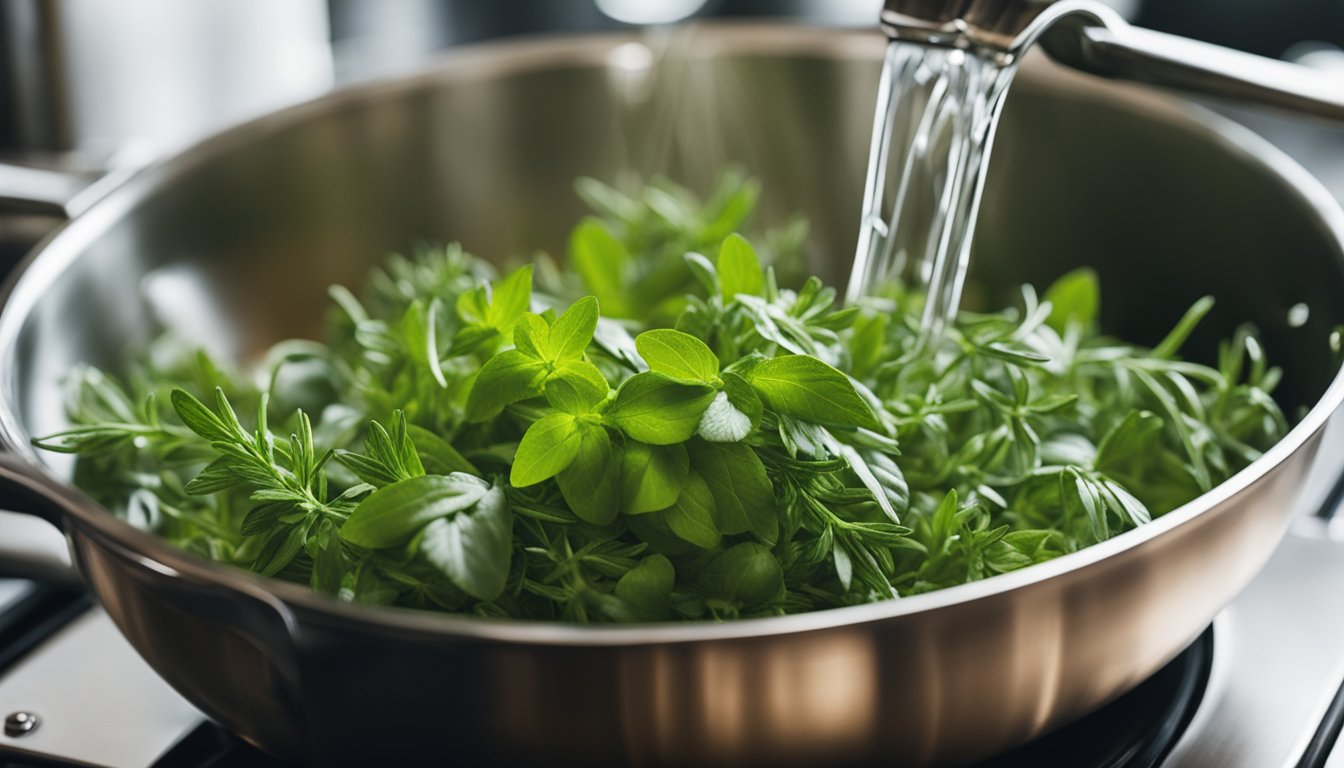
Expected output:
(937, 110)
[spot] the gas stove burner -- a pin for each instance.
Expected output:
(1138, 730)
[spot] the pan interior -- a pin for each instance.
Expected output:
(234, 245)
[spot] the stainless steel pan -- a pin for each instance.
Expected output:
(235, 241)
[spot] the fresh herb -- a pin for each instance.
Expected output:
(663, 433)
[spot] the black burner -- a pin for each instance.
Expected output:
(1137, 730)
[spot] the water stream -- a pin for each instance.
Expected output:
(937, 110)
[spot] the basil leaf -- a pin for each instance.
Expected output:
(808, 389)
(588, 384)
(510, 298)
(532, 337)
(739, 268)
(601, 259)
(393, 513)
(1133, 438)
(591, 484)
(652, 476)
(678, 355)
(437, 455)
(474, 547)
(743, 397)
(573, 331)
(647, 587)
(655, 409)
(505, 378)
(744, 499)
(692, 516)
(547, 448)
(747, 574)
(1074, 298)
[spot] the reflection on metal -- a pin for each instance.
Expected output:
(19, 724)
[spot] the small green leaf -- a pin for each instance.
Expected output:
(547, 448)
(743, 397)
(652, 476)
(1074, 298)
(473, 548)
(510, 298)
(437, 455)
(655, 409)
(808, 389)
(647, 587)
(564, 396)
(1134, 437)
(744, 499)
(692, 516)
(867, 343)
(282, 545)
(573, 331)
(678, 355)
(591, 484)
(739, 269)
(532, 337)
(601, 259)
(198, 418)
(391, 515)
(588, 382)
(505, 378)
(747, 574)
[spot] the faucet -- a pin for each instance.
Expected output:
(1090, 36)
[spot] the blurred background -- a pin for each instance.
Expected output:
(90, 86)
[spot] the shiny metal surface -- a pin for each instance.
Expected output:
(238, 238)
(1091, 37)
(97, 704)
(19, 724)
(1278, 662)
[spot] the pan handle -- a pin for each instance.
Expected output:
(31, 548)
(62, 194)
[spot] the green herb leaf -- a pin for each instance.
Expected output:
(1074, 298)
(747, 574)
(692, 516)
(647, 587)
(505, 378)
(678, 356)
(655, 409)
(391, 515)
(601, 259)
(591, 484)
(744, 500)
(473, 547)
(808, 389)
(739, 268)
(549, 446)
(573, 331)
(652, 476)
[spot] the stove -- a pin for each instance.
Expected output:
(1261, 688)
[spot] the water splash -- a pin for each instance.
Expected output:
(937, 111)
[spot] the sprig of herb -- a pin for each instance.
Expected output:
(664, 433)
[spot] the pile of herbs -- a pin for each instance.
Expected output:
(663, 432)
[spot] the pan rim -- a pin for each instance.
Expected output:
(63, 247)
